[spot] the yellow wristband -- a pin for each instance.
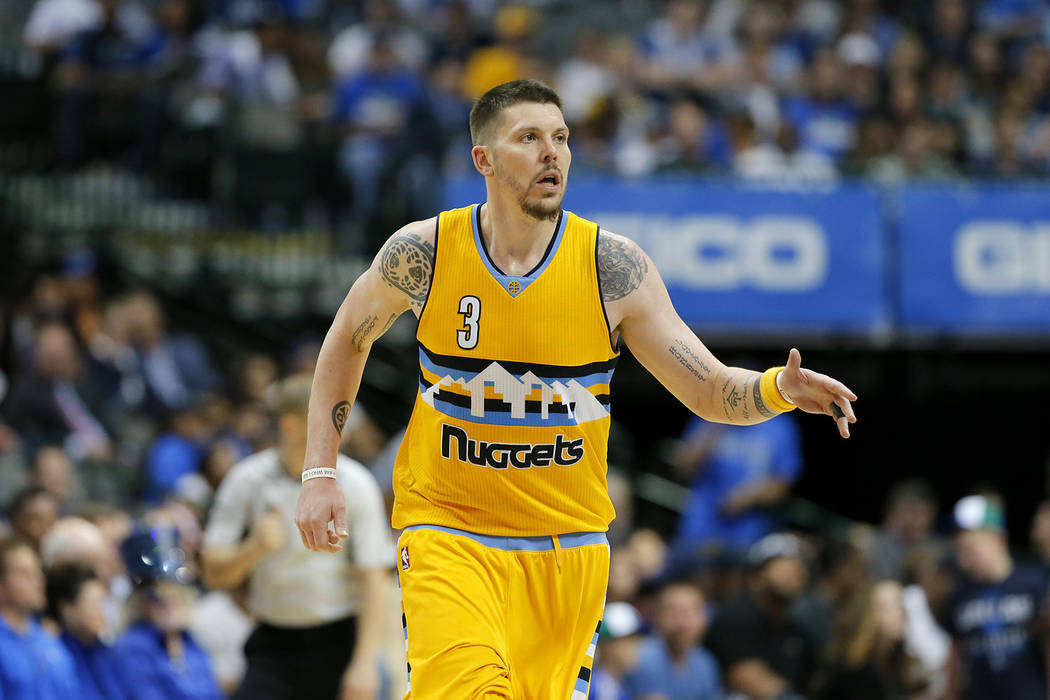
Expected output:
(771, 394)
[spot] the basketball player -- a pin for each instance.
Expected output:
(500, 482)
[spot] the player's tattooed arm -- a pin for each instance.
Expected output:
(685, 356)
(621, 266)
(741, 397)
(340, 412)
(407, 264)
(369, 330)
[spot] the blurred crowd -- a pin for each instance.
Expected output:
(147, 548)
(373, 95)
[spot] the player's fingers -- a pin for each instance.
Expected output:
(794, 362)
(341, 530)
(840, 419)
(846, 407)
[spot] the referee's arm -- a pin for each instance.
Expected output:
(398, 279)
(639, 308)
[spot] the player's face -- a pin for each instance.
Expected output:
(530, 157)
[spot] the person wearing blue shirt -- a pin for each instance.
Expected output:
(75, 598)
(33, 664)
(619, 642)
(672, 663)
(158, 658)
(995, 614)
(738, 474)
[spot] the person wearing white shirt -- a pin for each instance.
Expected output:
(319, 616)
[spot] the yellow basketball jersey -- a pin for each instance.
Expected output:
(510, 427)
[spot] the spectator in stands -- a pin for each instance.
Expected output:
(176, 367)
(680, 56)
(319, 616)
(75, 600)
(691, 140)
(839, 573)
(929, 576)
(175, 453)
(672, 664)
(77, 542)
(824, 121)
(351, 49)
(33, 663)
(868, 656)
(372, 108)
(908, 519)
(53, 471)
(738, 476)
(507, 58)
(995, 614)
(56, 403)
(1039, 532)
(53, 24)
(764, 650)
(31, 515)
(157, 656)
(617, 651)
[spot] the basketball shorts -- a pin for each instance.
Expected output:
(500, 617)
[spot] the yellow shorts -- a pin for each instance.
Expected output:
(500, 617)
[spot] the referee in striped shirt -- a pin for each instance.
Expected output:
(319, 616)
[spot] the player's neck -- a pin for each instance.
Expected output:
(514, 240)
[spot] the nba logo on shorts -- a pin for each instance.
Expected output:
(404, 558)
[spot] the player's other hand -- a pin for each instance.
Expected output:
(814, 392)
(320, 503)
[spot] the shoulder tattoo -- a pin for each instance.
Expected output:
(407, 263)
(621, 266)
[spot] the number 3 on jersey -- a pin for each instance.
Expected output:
(470, 308)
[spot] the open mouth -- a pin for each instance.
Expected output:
(550, 180)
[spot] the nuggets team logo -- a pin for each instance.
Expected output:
(404, 558)
(514, 288)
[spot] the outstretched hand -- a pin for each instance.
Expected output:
(814, 392)
(321, 502)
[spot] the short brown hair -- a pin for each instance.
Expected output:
(8, 545)
(293, 395)
(490, 106)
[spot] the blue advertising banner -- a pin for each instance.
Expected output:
(975, 260)
(743, 259)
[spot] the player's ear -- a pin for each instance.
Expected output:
(482, 158)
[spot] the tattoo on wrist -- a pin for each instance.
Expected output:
(621, 266)
(340, 412)
(407, 263)
(731, 398)
(756, 394)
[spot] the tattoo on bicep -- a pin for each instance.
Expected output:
(407, 263)
(756, 394)
(621, 266)
(364, 333)
(340, 412)
(689, 359)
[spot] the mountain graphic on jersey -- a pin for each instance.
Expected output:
(494, 395)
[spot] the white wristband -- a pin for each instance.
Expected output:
(318, 473)
(783, 393)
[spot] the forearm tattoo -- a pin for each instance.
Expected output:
(756, 394)
(621, 266)
(340, 412)
(689, 359)
(407, 263)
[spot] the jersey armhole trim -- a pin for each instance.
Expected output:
(598, 284)
(433, 273)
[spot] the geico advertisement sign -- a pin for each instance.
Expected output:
(1000, 257)
(719, 253)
